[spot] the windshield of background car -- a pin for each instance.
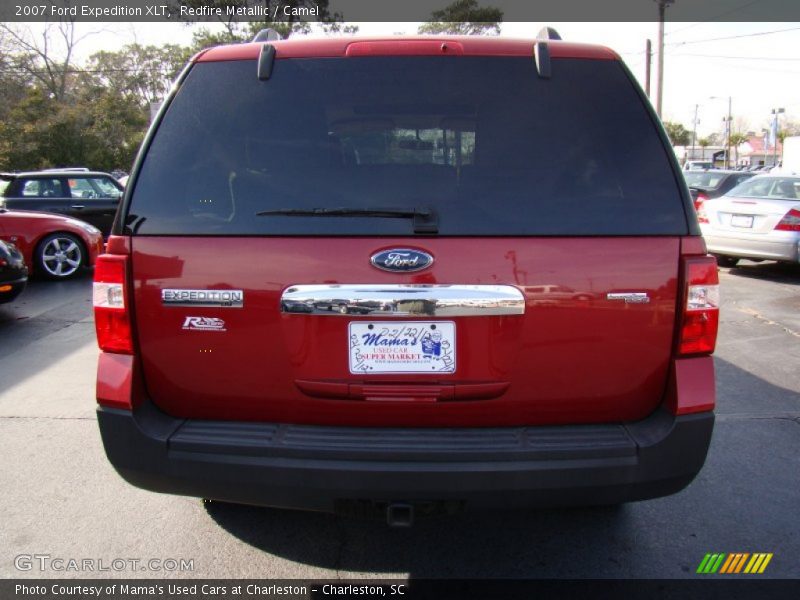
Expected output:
(703, 179)
(488, 145)
(774, 188)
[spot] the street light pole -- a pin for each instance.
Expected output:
(775, 113)
(728, 139)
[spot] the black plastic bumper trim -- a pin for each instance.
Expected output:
(319, 467)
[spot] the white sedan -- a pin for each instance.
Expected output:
(758, 219)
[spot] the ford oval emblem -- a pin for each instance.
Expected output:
(401, 260)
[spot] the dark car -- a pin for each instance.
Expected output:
(704, 185)
(90, 196)
(13, 272)
(419, 193)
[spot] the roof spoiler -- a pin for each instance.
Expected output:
(541, 50)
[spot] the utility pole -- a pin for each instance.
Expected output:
(694, 128)
(662, 7)
(728, 122)
(648, 59)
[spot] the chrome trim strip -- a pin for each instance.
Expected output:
(216, 298)
(403, 300)
(630, 297)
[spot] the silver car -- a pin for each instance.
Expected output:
(758, 219)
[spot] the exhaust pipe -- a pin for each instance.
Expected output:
(400, 515)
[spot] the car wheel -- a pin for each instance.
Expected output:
(60, 256)
(727, 261)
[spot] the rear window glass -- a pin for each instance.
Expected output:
(775, 188)
(702, 179)
(484, 142)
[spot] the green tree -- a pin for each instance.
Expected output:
(788, 129)
(678, 134)
(737, 139)
(704, 143)
(98, 129)
(144, 73)
(464, 17)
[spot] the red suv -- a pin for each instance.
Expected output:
(324, 287)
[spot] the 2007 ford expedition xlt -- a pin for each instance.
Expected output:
(407, 273)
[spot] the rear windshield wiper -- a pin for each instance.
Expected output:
(425, 220)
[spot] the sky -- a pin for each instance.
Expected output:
(756, 65)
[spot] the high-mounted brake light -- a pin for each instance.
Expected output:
(700, 320)
(790, 221)
(111, 318)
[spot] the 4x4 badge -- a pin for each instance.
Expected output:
(401, 260)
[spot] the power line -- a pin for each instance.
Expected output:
(770, 58)
(733, 37)
(719, 16)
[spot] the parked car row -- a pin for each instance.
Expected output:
(52, 223)
(707, 165)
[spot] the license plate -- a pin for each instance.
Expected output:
(404, 347)
(742, 221)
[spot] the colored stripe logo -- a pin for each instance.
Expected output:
(734, 563)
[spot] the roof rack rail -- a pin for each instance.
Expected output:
(267, 35)
(541, 50)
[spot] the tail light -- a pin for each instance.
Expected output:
(790, 221)
(111, 317)
(700, 320)
(698, 206)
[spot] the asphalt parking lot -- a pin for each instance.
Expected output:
(61, 498)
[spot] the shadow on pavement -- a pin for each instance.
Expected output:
(44, 309)
(467, 545)
(771, 271)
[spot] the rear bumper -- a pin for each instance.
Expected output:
(783, 246)
(325, 468)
